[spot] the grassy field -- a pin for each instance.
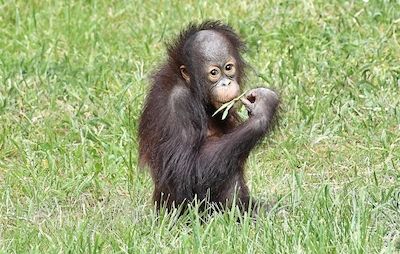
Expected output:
(73, 77)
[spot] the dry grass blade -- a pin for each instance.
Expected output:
(227, 106)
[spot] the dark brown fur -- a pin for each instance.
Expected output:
(191, 154)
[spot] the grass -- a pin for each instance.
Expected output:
(73, 76)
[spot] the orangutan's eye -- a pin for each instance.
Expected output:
(214, 72)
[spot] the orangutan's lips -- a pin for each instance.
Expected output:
(228, 99)
(225, 101)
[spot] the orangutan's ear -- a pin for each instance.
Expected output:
(184, 73)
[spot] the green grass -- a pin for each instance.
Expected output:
(73, 76)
